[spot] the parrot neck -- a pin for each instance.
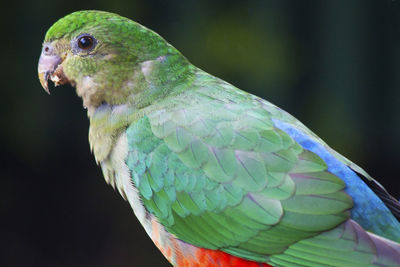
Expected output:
(145, 83)
(152, 82)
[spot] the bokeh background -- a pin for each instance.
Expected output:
(334, 64)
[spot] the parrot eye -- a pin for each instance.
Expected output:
(84, 43)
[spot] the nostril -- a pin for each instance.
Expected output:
(47, 49)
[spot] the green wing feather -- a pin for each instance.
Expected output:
(219, 175)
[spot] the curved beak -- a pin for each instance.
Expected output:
(47, 65)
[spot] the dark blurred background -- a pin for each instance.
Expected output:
(335, 65)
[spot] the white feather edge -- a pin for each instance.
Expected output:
(123, 180)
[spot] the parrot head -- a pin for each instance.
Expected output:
(102, 54)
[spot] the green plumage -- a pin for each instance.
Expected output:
(207, 159)
(220, 175)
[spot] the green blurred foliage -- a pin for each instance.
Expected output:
(332, 64)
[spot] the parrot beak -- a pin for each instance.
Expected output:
(43, 77)
(50, 67)
(47, 65)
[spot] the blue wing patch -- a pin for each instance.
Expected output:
(369, 211)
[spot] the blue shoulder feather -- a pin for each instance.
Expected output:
(369, 210)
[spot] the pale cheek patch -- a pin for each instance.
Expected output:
(87, 83)
(87, 89)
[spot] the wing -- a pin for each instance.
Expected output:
(216, 171)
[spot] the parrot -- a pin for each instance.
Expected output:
(215, 175)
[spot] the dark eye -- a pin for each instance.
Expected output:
(86, 42)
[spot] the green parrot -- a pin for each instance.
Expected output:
(216, 176)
